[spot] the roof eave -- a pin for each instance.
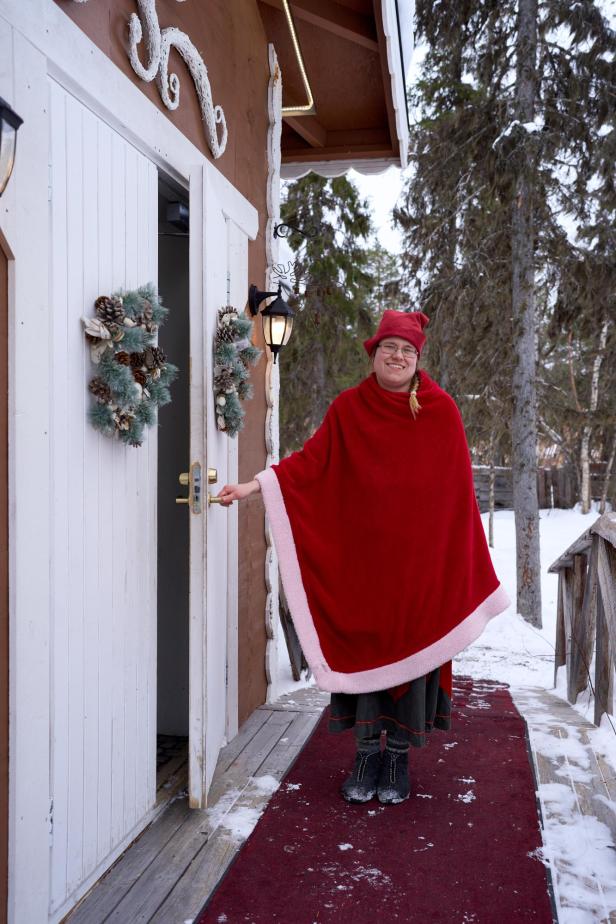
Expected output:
(397, 17)
(397, 22)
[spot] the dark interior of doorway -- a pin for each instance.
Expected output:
(173, 522)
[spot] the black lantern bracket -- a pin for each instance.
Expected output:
(284, 229)
(255, 297)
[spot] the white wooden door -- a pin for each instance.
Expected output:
(218, 257)
(103, 237)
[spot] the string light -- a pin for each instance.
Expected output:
(309, 108)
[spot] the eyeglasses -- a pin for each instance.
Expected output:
(392, 348)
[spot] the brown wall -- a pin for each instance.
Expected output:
(232, 41)
(4, 586)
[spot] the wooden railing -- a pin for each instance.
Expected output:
(586, 613)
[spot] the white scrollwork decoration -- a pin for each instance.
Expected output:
(158, 46)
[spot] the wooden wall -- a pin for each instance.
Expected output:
(232, 40)
(4, 584)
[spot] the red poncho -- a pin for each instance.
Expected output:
(380, 543)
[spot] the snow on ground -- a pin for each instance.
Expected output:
(578, 847)
(512, 651)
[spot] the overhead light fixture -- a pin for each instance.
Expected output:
(178, 215)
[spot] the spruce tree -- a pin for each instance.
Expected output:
(336, 309)
(499, 160)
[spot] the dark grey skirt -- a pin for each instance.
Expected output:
(410, 717)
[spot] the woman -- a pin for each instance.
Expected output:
(383, 556)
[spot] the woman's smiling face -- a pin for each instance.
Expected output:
(394, 362)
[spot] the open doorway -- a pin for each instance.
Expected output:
(173, 519)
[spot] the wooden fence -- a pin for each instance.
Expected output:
(586, 613)
(556, 486)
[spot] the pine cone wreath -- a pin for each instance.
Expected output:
(123, 358)
(100, 389)
(109, 309)
(137, 360)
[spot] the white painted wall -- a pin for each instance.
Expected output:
(70, 625)
(104, 223)
(24, 222)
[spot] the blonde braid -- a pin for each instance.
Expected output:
(414, 404)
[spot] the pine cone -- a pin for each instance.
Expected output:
(123, 419)
(155, 357)
(116, 331)
(225, 334)
(223, 381)
(123, 358)
(140, 377)
(137, 360)
(101, 390)
(148, 311)
(224, 331)
(109, 309)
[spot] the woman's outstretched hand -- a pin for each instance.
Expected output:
(232, 492)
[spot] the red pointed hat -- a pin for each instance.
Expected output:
(406, 324)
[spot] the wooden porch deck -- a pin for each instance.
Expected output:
(166, 876)
(170, 870)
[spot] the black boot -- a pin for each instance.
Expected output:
(361, 785)
(394, 784)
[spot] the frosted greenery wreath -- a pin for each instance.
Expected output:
(133, 374)
(233, 353)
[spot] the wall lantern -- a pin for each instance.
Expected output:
(277, 318)
(9, 123)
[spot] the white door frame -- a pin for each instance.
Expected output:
(37, 40)
(218, 276)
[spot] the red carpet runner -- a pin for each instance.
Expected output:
(459, 850)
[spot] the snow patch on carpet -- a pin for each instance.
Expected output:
(339, 876)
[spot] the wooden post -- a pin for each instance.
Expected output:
(603, 662)
(582, 603)
(606, 561)
(567, 587)
(560, 657)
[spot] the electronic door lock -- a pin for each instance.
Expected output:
(192, 480)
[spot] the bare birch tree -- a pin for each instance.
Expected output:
(587, 430)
